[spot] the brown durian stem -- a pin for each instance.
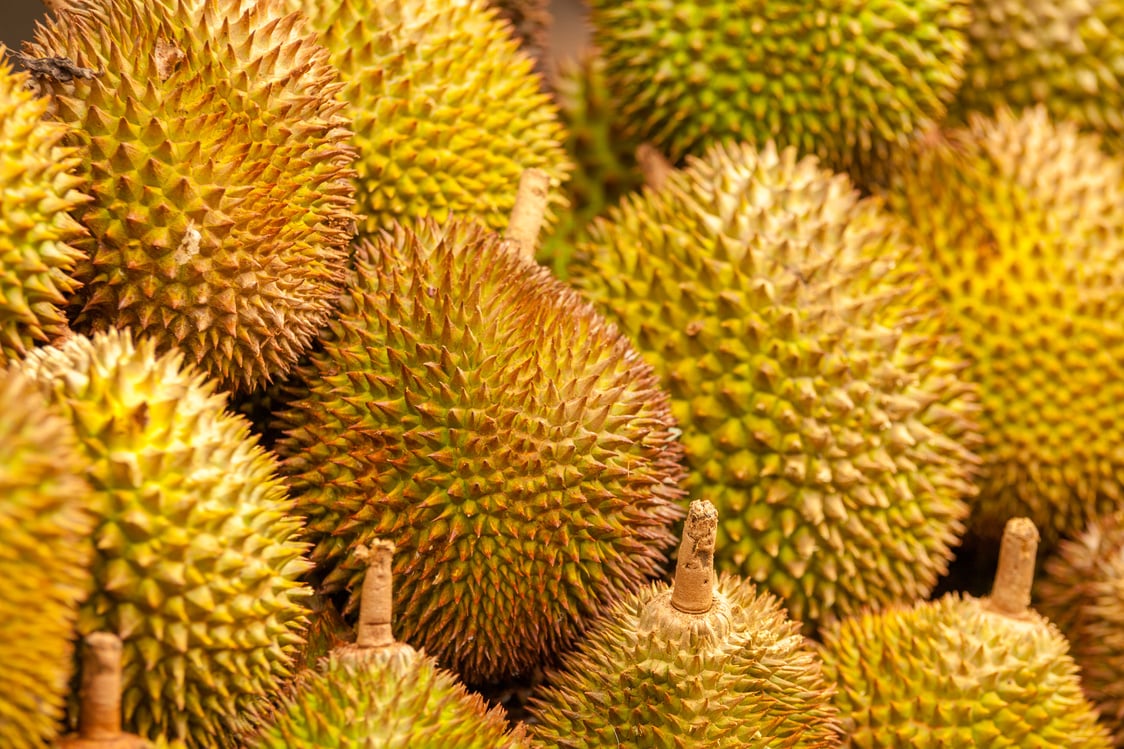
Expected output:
(528, 212)
(653, 165)
(692, 591)
(376, 608)
(99, 716)
(1010, 593)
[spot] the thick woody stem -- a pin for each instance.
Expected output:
(653, 165)
(1010, 593)
(376, 603)
(528, 211)
(99, 717)
(692, 592)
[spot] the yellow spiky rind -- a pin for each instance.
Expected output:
(953, 673)
(1021, 221)
(197, 561)
(447, 110)
(38, 186)
(750, 681)
(820, 402)
(476, 412)
(219, 163)
(45, 551)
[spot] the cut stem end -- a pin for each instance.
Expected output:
(692, 591)
(653, 165)
(528, 212)
(1010, 593)
(376, 606)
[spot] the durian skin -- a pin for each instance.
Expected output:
(1021, 222)
(221, 181)
(841, 80)
(197, 565)
(38, 185)
(758, 685)
(1081, 590)
(45, 552)
(510, 442)
(820, 401)
(948, 673)
(447, 111)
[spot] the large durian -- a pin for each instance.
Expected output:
(218, 159)
(447, 110)
(45, 552)
(510, 441)
(821, 408)
(37, 188)
(1021, 223)
(196, 563)
(962, 671)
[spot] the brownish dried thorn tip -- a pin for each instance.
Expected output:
(653, 165)
(1010, 593)
(376, 608)
(528, 212)
(692, 591)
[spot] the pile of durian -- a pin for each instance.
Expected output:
(369, 380)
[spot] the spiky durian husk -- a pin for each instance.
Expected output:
(1021, 222)
(950, 673)
(476, 412)
(37, 188)
(532, 22)
(1067, 56)
(750, 682)
(842, 80)
(45, 552)
(1082, 591)
(218, 161)
(447, 110)
(821, 408)
(197, 561)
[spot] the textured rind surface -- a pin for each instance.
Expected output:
(45, 553)
(1067, 56)
(447, 110)
(532, 23)
(841, 80)
(473, 410)
(759, 686)
(1082, 592)
(37, 188)
(386, 703)
(197, 560)
(219, 163)
(1021, 222)
(820, 403)
(952, 674)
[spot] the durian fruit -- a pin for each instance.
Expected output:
(45, 551)
(962, 671)
(37, 188)
(1021, 223)
(510, 441)
(218, 159)
(1067, 56)
(447, 110)
(197, 562)
(821, 406)
(842, 81)
(532, 23)
(1082, 592)
(695, 663)
(381, 693)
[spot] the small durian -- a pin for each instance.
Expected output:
(381, 693)
(218, 159)
(1082, 592)
(38, 186)
(962, 671)
(696, 663)
(45, 553)
(197, 562)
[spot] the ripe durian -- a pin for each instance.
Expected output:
(45, 553)
(962, 671)
(821, 408)
(695, 663)
(447, 110)
(37, 188)
(197, 561)
(382, 693)
(1021, 223)
(219, 165)
(1082, 592)
(514, 446)
(840, 80)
